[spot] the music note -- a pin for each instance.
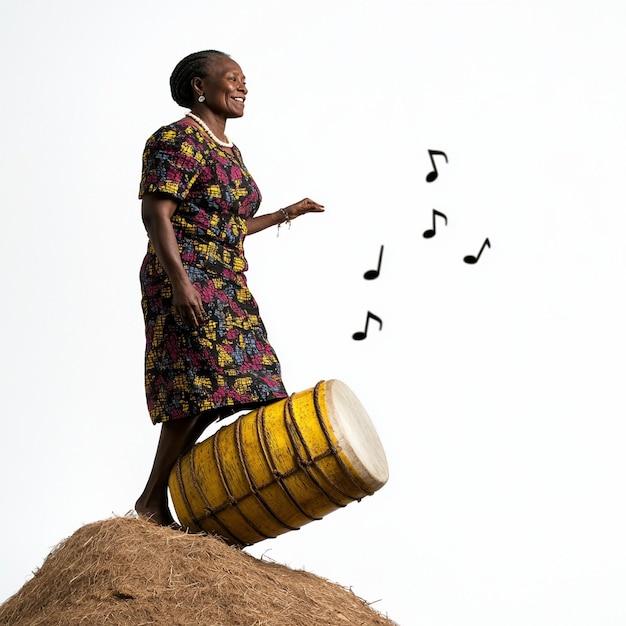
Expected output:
(371, 274)
(431, 232)
(361, 334)
(471, 259)
(431, 176)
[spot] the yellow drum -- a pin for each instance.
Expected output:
(280, 466)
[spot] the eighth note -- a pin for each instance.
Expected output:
(471, 259)
(371, 274)
(431, 232)
(361, 334)
(431, 176)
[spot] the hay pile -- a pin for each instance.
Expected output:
(130, 572)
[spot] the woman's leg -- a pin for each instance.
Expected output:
(176, 438)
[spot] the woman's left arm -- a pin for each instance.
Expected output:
(256, 224)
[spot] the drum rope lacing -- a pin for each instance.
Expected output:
(308, 463)
(183, 492)
(266, 446)
(312, 461)
(254, 489)
(193, 474)
(232, 500)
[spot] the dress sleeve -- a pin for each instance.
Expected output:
(170, 163)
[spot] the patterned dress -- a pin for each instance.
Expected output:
(227, 361)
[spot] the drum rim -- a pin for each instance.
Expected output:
(374, 472)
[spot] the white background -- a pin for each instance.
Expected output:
(497, 389)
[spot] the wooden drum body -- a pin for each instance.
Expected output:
(281, 466)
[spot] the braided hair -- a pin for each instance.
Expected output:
(198, 64)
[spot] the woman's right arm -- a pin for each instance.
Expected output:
(156, 212)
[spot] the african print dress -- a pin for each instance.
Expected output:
(227, 361)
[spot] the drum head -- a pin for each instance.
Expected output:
(356, 435)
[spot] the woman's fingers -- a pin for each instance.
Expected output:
(188, 305)
(191, 316)
(306, 205)
(310, 205)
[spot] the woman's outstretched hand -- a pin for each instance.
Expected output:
(304, 206)
(261, 222)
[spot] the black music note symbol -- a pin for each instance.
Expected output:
(371, 274)
(361, 334)
(431, 232)
(431, 176)
(471, 259)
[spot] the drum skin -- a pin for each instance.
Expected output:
(280, 466)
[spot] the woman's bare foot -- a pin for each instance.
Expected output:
(157, 512)
(177, 436)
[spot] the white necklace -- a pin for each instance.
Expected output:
(224, 144)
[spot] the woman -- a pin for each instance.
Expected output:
(207, 354)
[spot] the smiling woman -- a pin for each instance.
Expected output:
(207, 352)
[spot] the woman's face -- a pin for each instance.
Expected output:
(225, 89)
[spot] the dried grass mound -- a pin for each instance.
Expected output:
(130, 572)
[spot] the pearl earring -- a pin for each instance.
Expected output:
(201, 98)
